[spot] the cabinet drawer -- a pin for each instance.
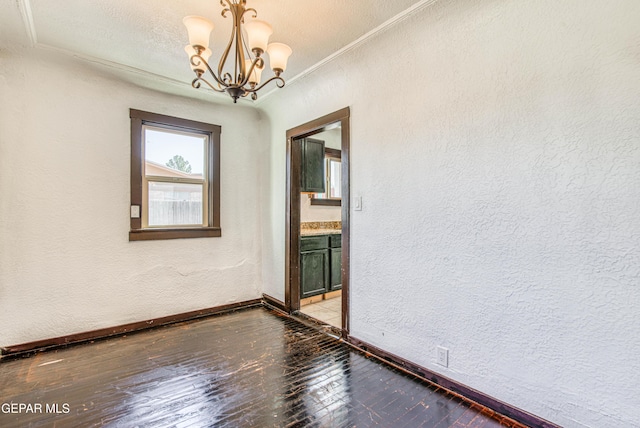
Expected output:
(308, 243)
(335, 241)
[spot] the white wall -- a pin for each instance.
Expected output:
(66, 264)
(313, 213)
(332, 138)
(496, 146)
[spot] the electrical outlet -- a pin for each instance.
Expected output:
(442, 356)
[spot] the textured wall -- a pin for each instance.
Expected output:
(66, 264)
(310, 212)
(496, 146)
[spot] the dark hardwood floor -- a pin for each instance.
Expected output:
(251, 368)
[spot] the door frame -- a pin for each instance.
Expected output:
(292, 228)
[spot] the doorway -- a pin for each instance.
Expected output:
(294, 250)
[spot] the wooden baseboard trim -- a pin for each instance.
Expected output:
(505, 409)
(104, 333)
(458, 388)
(272, 301)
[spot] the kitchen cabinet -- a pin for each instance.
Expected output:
(335, 282)
(313, 176)
(314, 272)
(320, 264)
(335, 262)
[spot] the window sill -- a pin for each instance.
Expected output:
(157, 234)
(326, 202)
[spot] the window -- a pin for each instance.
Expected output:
(334, 183)
(175, 178)
(333, 180)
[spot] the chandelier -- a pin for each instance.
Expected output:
(244, 51)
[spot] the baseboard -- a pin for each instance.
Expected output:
(505, 409)
(272, 301)
(456, 387)
(57, 342)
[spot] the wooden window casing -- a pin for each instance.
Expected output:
(211, 225)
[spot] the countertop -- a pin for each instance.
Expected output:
(314, 232)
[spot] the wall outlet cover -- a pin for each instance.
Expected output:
(442, 356)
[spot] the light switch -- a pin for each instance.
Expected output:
(357, 204)
(135, 211)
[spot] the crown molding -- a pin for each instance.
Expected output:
(27, 18)
(185, 87)
(112, 64)
(361, 40)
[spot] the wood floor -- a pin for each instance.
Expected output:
(251, 368)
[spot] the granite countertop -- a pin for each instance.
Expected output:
(314, 232)
(313, 228)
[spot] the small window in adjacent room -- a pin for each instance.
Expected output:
(333, 180)
(175, 178)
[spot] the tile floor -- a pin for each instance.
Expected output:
(328, 311)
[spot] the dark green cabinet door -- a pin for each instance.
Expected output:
(313, 177)
(314, 272)
(336, 269)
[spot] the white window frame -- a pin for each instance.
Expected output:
(162, 179)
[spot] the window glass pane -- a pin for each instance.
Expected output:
(171, 154)
(335, 182)
(173, 204)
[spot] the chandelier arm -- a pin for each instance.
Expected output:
(239, 63)
(279, 83)
(196, 84)
(225, 54)
(255, 13)
(253, 65)
(206, 64)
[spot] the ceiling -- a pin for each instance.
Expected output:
(148, 35)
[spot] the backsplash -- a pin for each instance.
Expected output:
(321, 225)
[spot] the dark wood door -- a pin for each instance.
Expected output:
(313, 175)
(314, 272)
